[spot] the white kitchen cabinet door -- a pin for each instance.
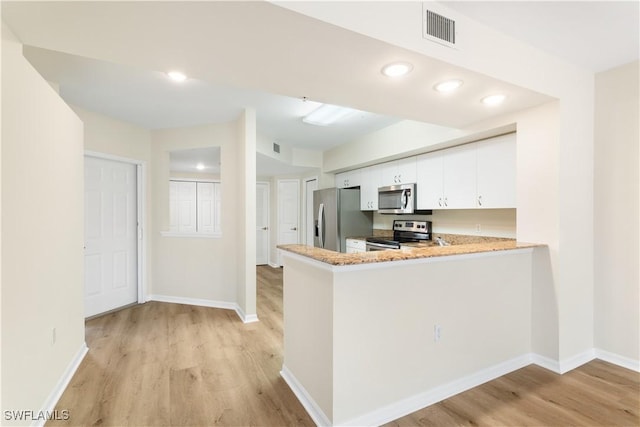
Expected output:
(355, 246)
(496, 173)
(370, 181)
(407, 170)
(459, 166)
(348, 179)
(429, 181)
(398, 172)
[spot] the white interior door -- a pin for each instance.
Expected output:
(111, 259)
(262, 223)
(310, 186)
(288, 212)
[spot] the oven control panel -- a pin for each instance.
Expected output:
(415, 226)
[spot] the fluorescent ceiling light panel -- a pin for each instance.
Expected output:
(200, 167)
(327, 114)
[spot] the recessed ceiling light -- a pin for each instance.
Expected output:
(493, 100)
(397, 69)
(200, 166)
(177, 76)
(448, 86)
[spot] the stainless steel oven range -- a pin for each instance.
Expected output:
(403, 231)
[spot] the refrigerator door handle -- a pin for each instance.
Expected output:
(321, 225)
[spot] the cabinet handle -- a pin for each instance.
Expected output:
(445, 202)
(440, 201)
(479, 200)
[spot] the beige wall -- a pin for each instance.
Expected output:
(42, 234)
(197, 268)
(492, 222)
(112, 137)
(407, 136)
(616, 228)
(245, 176)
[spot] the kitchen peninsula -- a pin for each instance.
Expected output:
(370, 337)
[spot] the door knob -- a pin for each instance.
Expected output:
(294, 229)
(265, 228)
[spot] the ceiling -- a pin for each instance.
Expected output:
(595, 35)
(112, 58)
(204, 160)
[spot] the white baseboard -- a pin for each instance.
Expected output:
(429, 397)
(546, 362)
(246, 318)
(573, 362)
(437, 394)
(618, 360)
(315, 412)
(62, 384)
(206, 303)
(193, 301)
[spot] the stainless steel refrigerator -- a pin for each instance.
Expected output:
(337, 215)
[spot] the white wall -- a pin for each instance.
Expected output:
(198, 268)
(616, 228)
(42, 234)
(362, 368)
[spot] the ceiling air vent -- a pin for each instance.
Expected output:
(276, 147)
(438, 28)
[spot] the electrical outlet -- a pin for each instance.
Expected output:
(437, 332)
(478, 228)
(53, 336)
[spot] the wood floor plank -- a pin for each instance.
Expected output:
(160, 364)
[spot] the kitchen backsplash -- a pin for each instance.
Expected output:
(479, 222)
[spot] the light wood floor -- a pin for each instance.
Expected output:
(169, 364)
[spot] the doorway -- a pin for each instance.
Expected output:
(262, 223)
(111, 235)
(288, 212)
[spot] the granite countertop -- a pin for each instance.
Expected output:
(463, 245)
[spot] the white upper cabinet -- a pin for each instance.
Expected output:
(497, 172)
(401, 171)
(476, 175)
(459, 167)
(430, 181)
(348, 179)
(370, 178)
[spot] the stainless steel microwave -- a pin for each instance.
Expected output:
(397, 199)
